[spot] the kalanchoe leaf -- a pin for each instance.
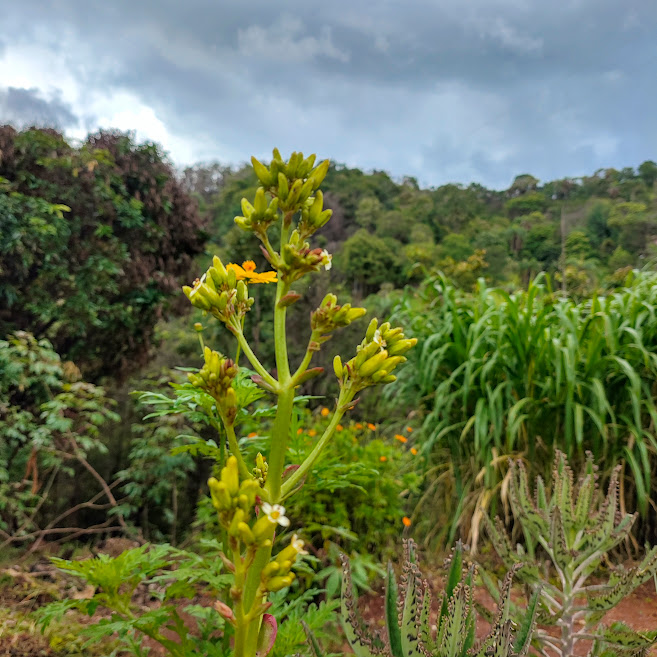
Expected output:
(408, 619)
(576, 529)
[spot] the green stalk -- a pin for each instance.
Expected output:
(306, 359)
(235, 450)
(293, 480)
(253, 359)
(278, 448)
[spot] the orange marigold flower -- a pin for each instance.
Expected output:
(247, 272)
(413, 451)
(253, 434)
(400, 438)
(312, 433)
(299, 431)
(409, 429)
(325, 411)
(359, 425)
(371, 427)
(383, 459)
(406, 521)
(339, 427)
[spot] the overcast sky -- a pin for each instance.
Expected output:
(444, 90)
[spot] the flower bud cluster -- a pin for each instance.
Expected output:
(297, 258)
(330, 316)
(293, 187)
(261, 469)
(230, 496)
(258, 217)
(277, 574)
(376, 357)
(219, 292)
(216, 377)
(313, 215)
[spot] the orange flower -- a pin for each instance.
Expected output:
(253, 434)
(413, 451)
(359, 425)
(312, 433)
(325, 411)
(400, 438)
(409, 429)
(383, 459)
(247, 272)
(339, 427)
(299, 431)
(371, 427)
(406, 521)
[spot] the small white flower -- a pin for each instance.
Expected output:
(378, 339)
(298, 544)
(276, 514)
(326, 259)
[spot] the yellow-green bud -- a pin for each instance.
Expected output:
(262, 172)
(230, 475)
(283, 188)
(337, 367)
(278, 583)
(238, 518)
(371, 330)
(245, 533)
(373, 364)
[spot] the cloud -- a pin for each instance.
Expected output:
(27, 107)
(438, 89)
(285, 42)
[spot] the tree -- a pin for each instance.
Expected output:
(648, 173)
(95, 239)
(369, 261)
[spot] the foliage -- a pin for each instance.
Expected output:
(49, 425)
(520, 375)
(408, 620)
(358, 489)
(94, 240)
(173, 577)
(575, 528)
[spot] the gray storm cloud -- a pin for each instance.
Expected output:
(442, 90)
(27, 107)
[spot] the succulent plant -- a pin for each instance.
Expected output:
(408, 616)
(574, 527)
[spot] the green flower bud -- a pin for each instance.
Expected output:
(262, 172)
(337, 367)
(319, 173)
(283, 188)
(230, 476)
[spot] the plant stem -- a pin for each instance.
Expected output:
(293, 480)
(235, 450)
(306, 359)
(278, 448)
(253, 359)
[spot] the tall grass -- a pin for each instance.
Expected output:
(505, 376)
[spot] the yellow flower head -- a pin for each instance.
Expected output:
(400, 438)
(325, 411)
(371, 427)
(406, 521)
(312, 433)
(413, 451)
(247, 272)
(383, 459)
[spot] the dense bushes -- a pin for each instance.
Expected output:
(519, 375)
(94, 240)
